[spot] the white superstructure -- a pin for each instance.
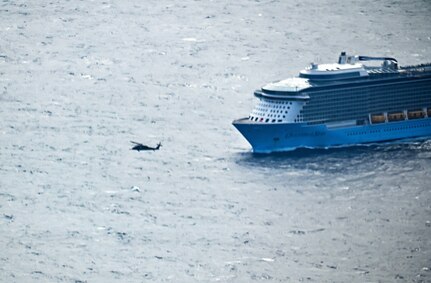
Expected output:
(277, 111)
(283, 101)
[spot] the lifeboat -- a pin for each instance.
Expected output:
(415, 114)
(378, 118)
(396, 116)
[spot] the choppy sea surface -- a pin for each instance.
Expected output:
(80, 79)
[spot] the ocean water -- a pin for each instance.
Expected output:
(79, 80)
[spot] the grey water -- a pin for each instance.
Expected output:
(79, 80)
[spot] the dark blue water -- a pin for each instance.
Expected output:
(80, 80)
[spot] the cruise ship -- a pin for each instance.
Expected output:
(341, 104)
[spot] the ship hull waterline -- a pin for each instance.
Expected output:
(279, 137)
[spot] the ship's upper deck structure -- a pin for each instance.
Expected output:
(347, 90)
(348, 70)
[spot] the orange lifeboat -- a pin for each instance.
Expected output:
(396, 116)
(415, 114)
(377, 118)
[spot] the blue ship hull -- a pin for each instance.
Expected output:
(267, 138)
